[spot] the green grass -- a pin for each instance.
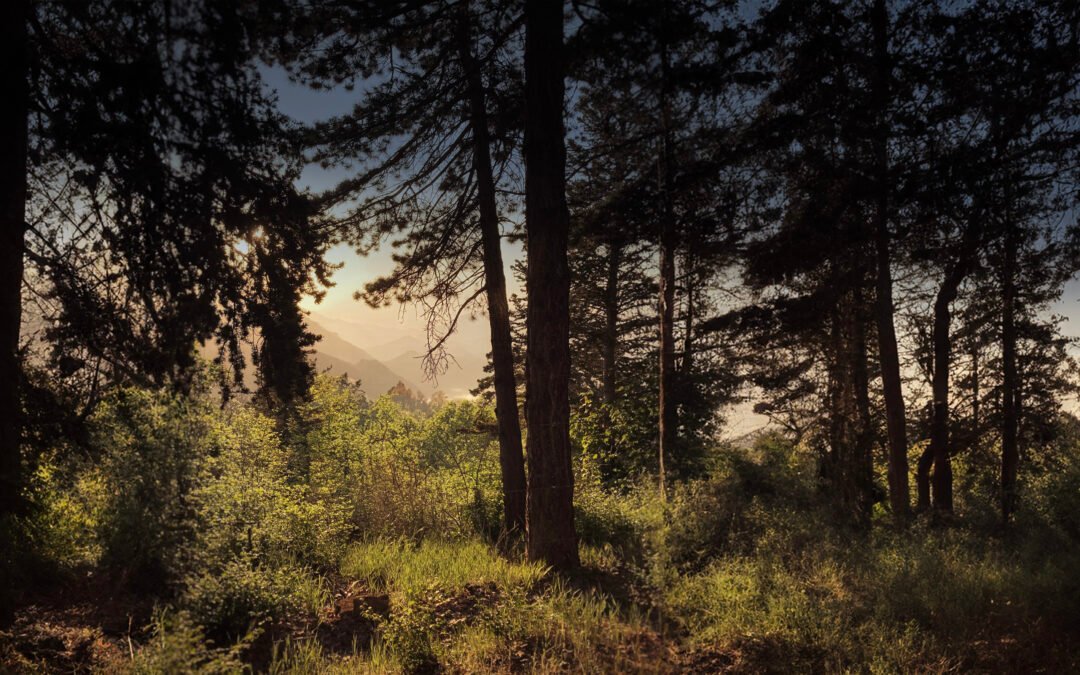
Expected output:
(744, 568)
(794, 595)
(400, 566)
(523, 618)
(927, 601)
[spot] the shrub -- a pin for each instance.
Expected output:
(241, 595)
(178, 645)
(621, 523)
(329, 459)
(763, 491)
(436, 475)
(248, 504)
(153, 445)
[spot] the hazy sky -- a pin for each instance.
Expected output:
(306, 105)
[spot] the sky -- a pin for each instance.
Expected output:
(305, 105)
(308, 106)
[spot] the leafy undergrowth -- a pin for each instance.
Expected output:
(272, 552)
(925, 601)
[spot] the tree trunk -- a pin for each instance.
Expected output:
(939, 424)
(511, 460)
(895, 415)
(829, 469)
(13, 183)
(668, 243)
(668, 420)
(611, 337)
(847, 469)
(922, 478)
(1010, 453)
(976, 419)
(688, 320)
(550, 506)
(862, 460)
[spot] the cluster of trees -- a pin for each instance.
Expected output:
(850, 207)
(933, 148)
(149, 203)
(746, 190)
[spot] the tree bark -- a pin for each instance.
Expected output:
(511, 460)
(13, 183)
(862, 461)
(667, 412)
(668, 424)
(688, 320)
(922, 478)
(847, 469)
(976, 418)
(895, 415)
(550, 508)
(1010, 453)
(939, 424)
(611, 337)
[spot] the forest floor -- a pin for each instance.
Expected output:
(442, 607)
(90, 622)
(78, 624)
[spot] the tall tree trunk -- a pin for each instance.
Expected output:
(688, 320)
(550, 507)
(668, 243)
(976, 404)
(847, 471)
(829, 470)
(611, 336)
(668, 420)
(895, 415)
(1010, 453)
(922, 478)
(511, 460)
(13, 183)
(862, 461)
(939, 424)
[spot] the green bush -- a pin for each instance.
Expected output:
(178, 645)
(153, 447)
(425, 476)
(61, 529)
(230, 601)
(763, 491)
(248, 503)
(328, 457)
(621, 523)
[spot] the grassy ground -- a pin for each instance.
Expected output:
(938, 601)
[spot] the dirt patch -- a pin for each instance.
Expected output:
(78, 625)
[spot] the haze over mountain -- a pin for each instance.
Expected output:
(381, 355)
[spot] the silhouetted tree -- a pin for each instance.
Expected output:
(436, 133)
(550, 508)
(13, 186)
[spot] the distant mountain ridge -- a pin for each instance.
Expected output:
(380, 356)
(337, 355)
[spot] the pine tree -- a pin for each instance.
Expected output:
(436, 135)
(550, 508)
(663, 71)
